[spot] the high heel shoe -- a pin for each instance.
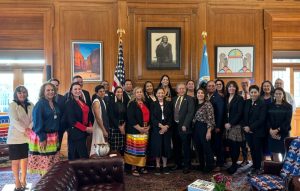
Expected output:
(24, 185)
(19, 189)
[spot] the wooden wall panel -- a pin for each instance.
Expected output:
(91, 23)
(166, 16)
(237, 27)
(23, 32)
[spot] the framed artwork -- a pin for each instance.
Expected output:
(87, 60)
(163, 48)
(234, 61)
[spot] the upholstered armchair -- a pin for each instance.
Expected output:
(284, 175)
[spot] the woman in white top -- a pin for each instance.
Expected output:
(99, 130)
(20, 115)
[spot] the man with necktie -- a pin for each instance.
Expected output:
(183, 107)
(246, 95)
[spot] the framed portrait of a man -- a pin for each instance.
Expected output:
(163, 48)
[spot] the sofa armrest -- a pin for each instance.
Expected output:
(295, 183)
(99, 170)
(271, 167)
(60, 177)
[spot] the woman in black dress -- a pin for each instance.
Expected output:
(279, 123)
(267, 94)
(204, 122)
(161, 119)
(117, 117)
(253, 124)
(149, 93)
(233, 117)
(166, 85)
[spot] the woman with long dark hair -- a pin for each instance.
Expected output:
(20, 117)
(190, 88)
(79, 123)
(204, 123)
(267, 91)
(279, 123)
(43, 143)
(267, 94)
(220, 86)
(118, 120)
(233, 117)
(166, 85)
(149, 93)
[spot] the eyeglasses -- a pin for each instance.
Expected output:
(218, 84)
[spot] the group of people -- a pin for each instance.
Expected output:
(145, 122)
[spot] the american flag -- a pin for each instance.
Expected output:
(119, 77)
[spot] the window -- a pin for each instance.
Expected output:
(286, 66)
(6, 90)
(33, 81)
(284, 74)
(297, 87)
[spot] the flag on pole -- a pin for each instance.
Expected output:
(119, 76)
(204, 68)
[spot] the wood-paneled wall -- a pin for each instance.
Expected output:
(52, 25)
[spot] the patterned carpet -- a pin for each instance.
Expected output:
(173, 181)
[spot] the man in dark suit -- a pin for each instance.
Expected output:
(218, 103)
(128, 89)
(183, 107)
(60, 100)
(245, 84)
(108, 95)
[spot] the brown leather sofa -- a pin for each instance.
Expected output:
(91, 174)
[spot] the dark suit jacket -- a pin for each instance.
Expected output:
(73, 114)
(87, 97)
(61, 101)
(134, 117)
(156, 114)
(235, 110)
(126, 98)
(186, 112)
(218, 103)
(254, 116)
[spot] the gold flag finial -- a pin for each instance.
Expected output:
(204, 34)
(120, 32)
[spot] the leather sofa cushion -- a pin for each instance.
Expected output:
(103, 187)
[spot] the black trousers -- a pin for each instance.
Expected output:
(234, 151)
(182, 141)
(218, 148)
(244, 150)
(60, 138)
(77, 149)
(205, 153)
(255, 144)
